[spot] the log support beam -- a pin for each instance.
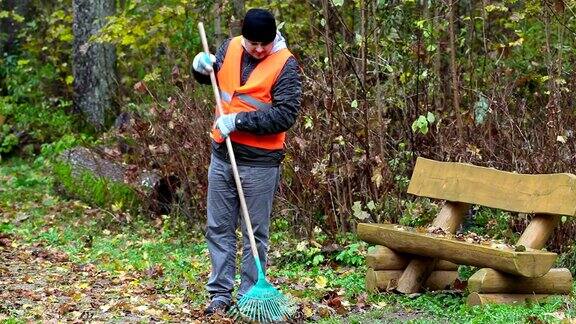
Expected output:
(475, 299)
(386, 280)
(556, 281)
(383, 258)
(416, 273)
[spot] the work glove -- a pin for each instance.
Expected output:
(226, 124)
(202, 63)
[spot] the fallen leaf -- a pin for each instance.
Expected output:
(83, 285)
(308, 312)
(4, 241)
(66, 308)
(325, 311)
(321, 282)
(155, 271)
(140, 87)
(107, 307)
(361, 300)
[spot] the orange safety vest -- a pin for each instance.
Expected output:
(255, 94)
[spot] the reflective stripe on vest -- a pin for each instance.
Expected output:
(225, 96)
(255, 94)
(260, 105)
(255, 102)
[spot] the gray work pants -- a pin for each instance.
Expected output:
(259, 185)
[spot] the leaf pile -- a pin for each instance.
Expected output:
(41, 284)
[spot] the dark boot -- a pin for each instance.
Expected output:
(216, 306)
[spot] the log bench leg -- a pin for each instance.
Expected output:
(534, 236)
(419, 268)
(538, 231)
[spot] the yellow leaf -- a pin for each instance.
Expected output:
(66, 37)
(69, 79)
(138, 30)
(17, 17)
(195, 264)
(308, 312)
(321, 282)
(128, 39)
(83, 285)
(377, 177)
(117, 206)
(517, 42)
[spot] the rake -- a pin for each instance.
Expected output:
(262, 303)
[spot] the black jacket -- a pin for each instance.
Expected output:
(286, 99)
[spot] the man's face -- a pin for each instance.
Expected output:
(258, 50)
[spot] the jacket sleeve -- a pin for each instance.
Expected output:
(286, 99)
(220, 53)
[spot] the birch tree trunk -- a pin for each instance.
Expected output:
(93, 64)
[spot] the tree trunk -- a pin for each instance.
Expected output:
(454, 69)
(218, 36)
(93, 64)
(238, 15)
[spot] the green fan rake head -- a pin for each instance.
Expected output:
(263, 303)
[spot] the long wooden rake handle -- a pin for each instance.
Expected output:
(231, 154)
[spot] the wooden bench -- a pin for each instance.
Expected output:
(505, 269)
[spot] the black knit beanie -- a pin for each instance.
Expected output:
(259, 26)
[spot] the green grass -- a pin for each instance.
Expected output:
(451, 308)
(172, 256)
(98, 237)
(11, 321)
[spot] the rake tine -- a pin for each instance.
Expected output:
(271, 311)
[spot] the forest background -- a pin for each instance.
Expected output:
(384, 81)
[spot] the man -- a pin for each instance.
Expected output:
(260, 89)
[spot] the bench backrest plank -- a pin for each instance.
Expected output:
(524, 193)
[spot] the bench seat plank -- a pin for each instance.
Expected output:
(532, 263)
(524, 193)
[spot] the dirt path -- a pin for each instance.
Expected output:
(40, 284)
